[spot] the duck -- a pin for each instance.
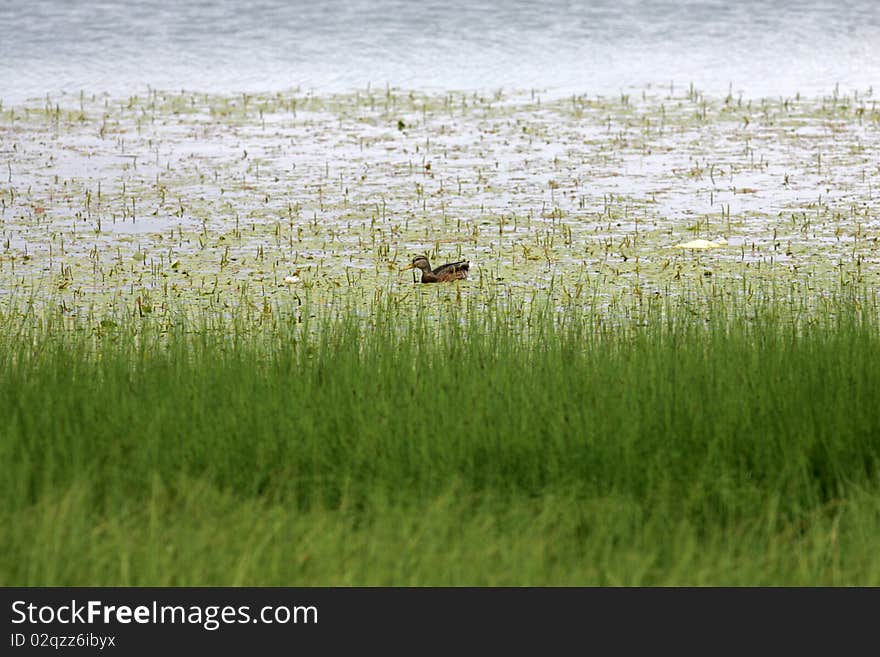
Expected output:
(451, 271)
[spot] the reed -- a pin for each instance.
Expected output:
(467, 448)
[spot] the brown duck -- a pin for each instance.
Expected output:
(451, 271)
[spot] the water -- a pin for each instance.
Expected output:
(605, 46)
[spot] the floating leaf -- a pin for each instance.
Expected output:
(701, 244)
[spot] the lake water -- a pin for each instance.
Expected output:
(604, 46)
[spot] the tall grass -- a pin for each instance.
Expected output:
(474, 448)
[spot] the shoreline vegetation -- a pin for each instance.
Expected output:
(661, 371)
(473, 449)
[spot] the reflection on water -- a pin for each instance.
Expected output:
(603, 46)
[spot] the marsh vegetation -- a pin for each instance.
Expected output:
(213, 371)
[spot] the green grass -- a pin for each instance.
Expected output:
(475, 449)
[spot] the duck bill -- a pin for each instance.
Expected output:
(409, 266)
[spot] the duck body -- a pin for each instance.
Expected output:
(452, 271)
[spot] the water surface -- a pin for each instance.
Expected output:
(604, 46)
